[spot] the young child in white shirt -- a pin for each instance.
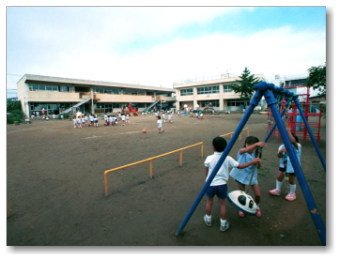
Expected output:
(218, 186)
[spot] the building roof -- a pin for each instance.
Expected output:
(93, 83)
(207, 82)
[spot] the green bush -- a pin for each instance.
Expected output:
(15, 115)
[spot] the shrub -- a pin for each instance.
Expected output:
(15, 115)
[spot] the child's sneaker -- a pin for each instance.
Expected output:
(290, 196)
(241, 214)
(207, 220)
(275, 192)
(258, 212)
(224, 226)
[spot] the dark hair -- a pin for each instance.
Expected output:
(296, 138)
(251, 140)
(219, 144)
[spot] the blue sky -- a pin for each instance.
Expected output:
(161, 45)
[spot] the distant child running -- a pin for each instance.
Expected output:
(248, 176)
(286, 166)
(218, 186)
(160, 125)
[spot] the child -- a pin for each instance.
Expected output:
(218, 186)
(86, 119)
(170, 114)
(248, 176)
(91, 119)
(83, 121)
(282, 154)
(114, 120)
(79, 122)
(74, 122)
(95, 120)
(123, 119)
(160, 125)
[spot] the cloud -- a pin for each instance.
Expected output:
(91, 49)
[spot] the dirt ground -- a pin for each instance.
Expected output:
(55, 186)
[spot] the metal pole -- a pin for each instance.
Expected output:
(297, 168)
(274, 126)
(253, 103)
(297, 102)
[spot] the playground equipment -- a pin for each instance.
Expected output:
(150, 160)
(270, 92)
(242, 201)
(132, 109)
(312, 114)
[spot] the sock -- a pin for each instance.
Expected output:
(292, 188)
(223, 221)
(278, 185)
(208, 217)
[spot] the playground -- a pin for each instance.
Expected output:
(55, 186)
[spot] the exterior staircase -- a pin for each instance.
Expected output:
(75, 106)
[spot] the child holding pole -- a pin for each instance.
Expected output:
(248, 176)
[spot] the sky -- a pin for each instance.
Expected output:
(160, 46)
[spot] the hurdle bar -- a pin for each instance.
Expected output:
(231, 133)
(150, 160)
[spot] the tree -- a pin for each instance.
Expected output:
(245, 86)
(317, 79)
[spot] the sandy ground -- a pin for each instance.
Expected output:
(55, 186)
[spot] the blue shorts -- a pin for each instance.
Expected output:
(220, 191)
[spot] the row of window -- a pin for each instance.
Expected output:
(206, 90)
(49, 106)
(41, 87)
(216, 103)
(119, 91)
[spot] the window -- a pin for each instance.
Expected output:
(236, 102)
(208, 90)
(106, 91)
(64, 88)
(40, 87)
(51, 88)
(187, 92)
(210, 103)
(227, 88)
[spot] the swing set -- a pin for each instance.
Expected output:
(273, 96)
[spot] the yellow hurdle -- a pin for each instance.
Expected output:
(106, 178)
(231, 133)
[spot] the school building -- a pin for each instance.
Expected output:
(216, 94)
(56, 95)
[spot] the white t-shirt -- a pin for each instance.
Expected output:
(222, 175)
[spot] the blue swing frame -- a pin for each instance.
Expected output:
(268, 90)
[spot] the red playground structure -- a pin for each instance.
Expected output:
(292, 117)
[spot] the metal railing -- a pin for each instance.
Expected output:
(150, 160)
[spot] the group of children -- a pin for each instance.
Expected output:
(111, 120)
(81, 121)
(245, 173)
(163, 118)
